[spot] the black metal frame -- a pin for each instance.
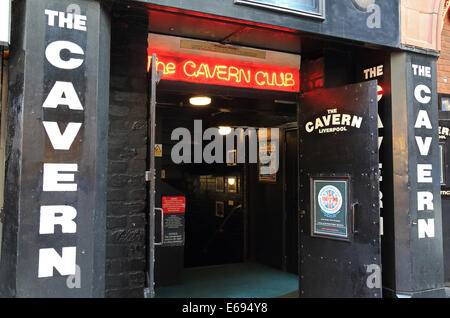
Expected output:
(349, 212)
(262, 4)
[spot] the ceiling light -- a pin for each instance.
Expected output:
(231, 181)
(200, 100)
(223, 130)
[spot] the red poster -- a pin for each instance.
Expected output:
(173, 204)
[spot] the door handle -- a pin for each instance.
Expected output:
(353, 206)
(162, 227)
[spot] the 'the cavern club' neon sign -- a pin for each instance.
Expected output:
(213, 71)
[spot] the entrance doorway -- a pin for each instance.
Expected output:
(240, 224)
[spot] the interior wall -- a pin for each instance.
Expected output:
(265, 202)
(205, 245)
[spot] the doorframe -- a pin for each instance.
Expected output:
(293, 126)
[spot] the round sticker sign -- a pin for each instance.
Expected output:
(330, 201)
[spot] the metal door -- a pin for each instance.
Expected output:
(150, 176)
(339, 233)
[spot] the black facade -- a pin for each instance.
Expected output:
(388, 153)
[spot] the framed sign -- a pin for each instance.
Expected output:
(313, 8)
(220, 209)
(330, 215)
(267, 172)
(220, 185)
(444, 102)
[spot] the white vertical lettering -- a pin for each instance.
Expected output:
(423, 120)
(425, 201)
(63, 93)
(424, 146)
(418, 94)
(61, 141)
(66, 21)
(51, 17)
(426, 229)
(424, 173)
(53, 54)
(49, 218)
(79, 22)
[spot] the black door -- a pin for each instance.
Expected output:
(339, 242)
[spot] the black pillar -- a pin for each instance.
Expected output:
(414, 223)
(55, 191)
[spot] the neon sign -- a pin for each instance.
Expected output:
(213, 71)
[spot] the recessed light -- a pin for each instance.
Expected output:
(224, 130)
(200, 101)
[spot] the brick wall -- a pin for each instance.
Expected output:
(444, 60)
(126, 198)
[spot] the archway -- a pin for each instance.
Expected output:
(421, 26)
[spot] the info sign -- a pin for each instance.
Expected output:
(173, 210)
(330, 217)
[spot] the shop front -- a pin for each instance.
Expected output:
(241, 149)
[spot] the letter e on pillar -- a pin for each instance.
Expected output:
(53, 177)
(424, 173)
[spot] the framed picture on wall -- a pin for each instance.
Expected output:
(231, 158)
(220, 209)
(220, 185)
(444, 102)
(267, 171)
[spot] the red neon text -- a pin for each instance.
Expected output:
(206, 70)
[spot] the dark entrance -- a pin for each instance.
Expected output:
(339, 193)
(237, 229)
